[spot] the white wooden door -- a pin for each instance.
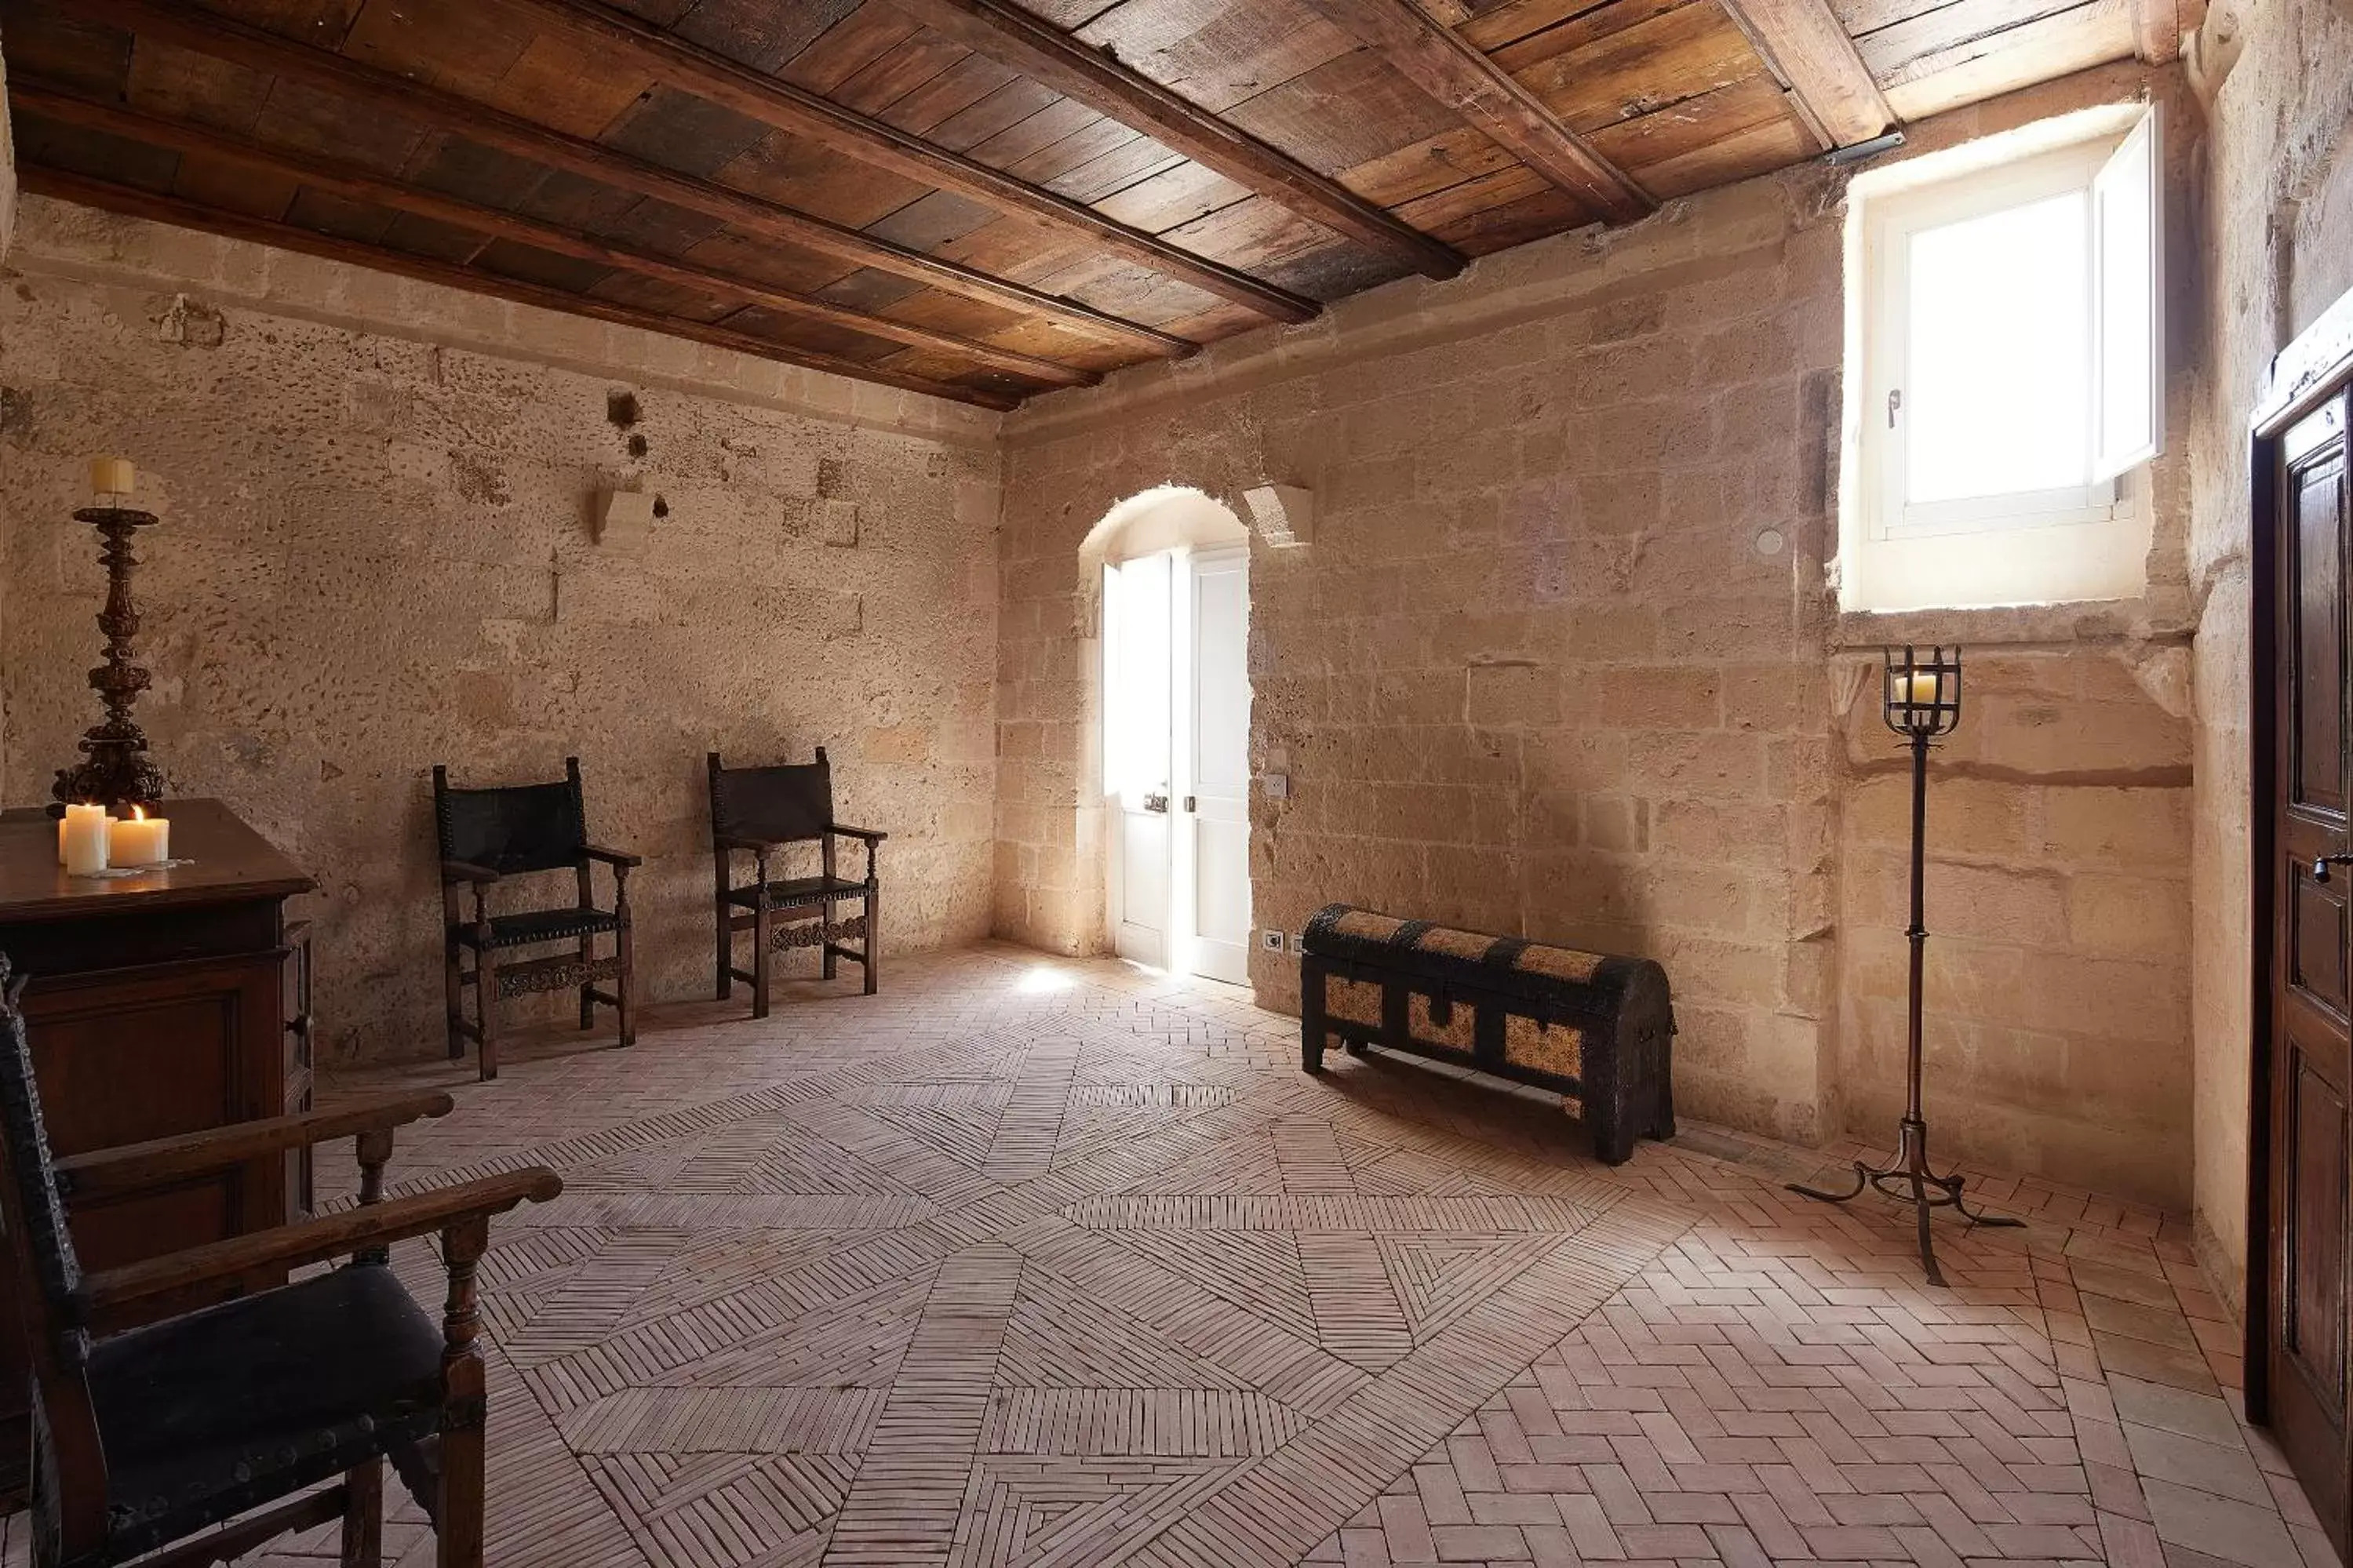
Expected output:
(1213, 764)
(1139, 716)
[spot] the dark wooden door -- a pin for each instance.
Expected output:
(2310, 1088)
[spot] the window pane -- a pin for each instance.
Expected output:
(2125, 204)
(2000, 396)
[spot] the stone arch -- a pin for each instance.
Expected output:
(1160, 518)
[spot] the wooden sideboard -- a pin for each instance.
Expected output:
(158, 1004)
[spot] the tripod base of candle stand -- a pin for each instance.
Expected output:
(1909, 1179)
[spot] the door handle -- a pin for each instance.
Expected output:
(1156, 802)
(2320, 864)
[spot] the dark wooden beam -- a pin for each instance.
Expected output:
(223, 37)
(1044, 52)
(134, 203)
(361, 185)
(679, 64)
(1805, 44)
(1428, 53)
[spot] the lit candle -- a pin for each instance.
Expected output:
(1919, 686)
(141, 840)
(111, 476)
(84, 835)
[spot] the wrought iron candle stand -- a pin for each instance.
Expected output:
(115, 770)
(1922, 700)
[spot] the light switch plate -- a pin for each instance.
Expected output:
(1270, 940)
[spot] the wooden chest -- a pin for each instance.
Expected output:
(1597, 1029)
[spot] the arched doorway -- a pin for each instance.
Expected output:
(1174, 731)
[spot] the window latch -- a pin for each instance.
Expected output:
(1894, 402)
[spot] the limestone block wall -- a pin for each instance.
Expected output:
(1561, 661)
(376, 555)
(2057, 1005)
(2275, 216)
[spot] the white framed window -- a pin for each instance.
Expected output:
(2011, 348)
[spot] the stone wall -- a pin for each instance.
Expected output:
(376, 555)
(1561, 661)
(2277, 223)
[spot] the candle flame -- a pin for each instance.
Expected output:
(138, 814)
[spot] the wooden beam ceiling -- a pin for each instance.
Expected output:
(108, 197)
(360, 185)
(226, 39)
(1808, 49)
(1428, 52)
(779, 104)
(1075, 69)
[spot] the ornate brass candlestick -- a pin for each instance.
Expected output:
(1922, 701)
(115, 770)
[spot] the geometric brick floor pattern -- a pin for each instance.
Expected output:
(1033, 1261)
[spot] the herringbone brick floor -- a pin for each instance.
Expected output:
(1034, 1262)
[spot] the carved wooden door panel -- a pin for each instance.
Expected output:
(2311, 1070)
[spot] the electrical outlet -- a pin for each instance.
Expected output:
(1298, 942)
(1270, 940)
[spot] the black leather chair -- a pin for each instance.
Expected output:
(142, 1440)
(764, 811)
(514, 830)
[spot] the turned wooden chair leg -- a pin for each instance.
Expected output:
(764, 932)
(486, 1007)
(873, 946)
(453, 983)
(363, 1516)
(458, 1521)
(587, 987)
(726, 947)
(625, 985)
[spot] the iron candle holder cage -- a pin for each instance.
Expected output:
(1920, 698)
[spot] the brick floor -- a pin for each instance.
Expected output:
(1038, 1261)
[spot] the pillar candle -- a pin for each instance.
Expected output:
(1920, 688)
(139, 840)
(85, 839)
(111, 476)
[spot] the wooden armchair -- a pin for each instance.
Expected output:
(144, 1439)
(490, 833)
(763, 811)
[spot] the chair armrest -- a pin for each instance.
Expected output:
(610, 857)
(135, 1167)
(109, 1294)
(868, 834)
(466, 871)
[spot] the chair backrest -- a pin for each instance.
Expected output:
(788, 801)
(513, 827)
(69, 1485)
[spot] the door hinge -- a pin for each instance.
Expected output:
(1189, 803)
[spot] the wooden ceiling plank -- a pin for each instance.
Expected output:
(785, 107)
(2157, 30)
(210, 33)
(1805, 44)
(1435, 58)
(360, 185)
(104, 195)
(1075, 68)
